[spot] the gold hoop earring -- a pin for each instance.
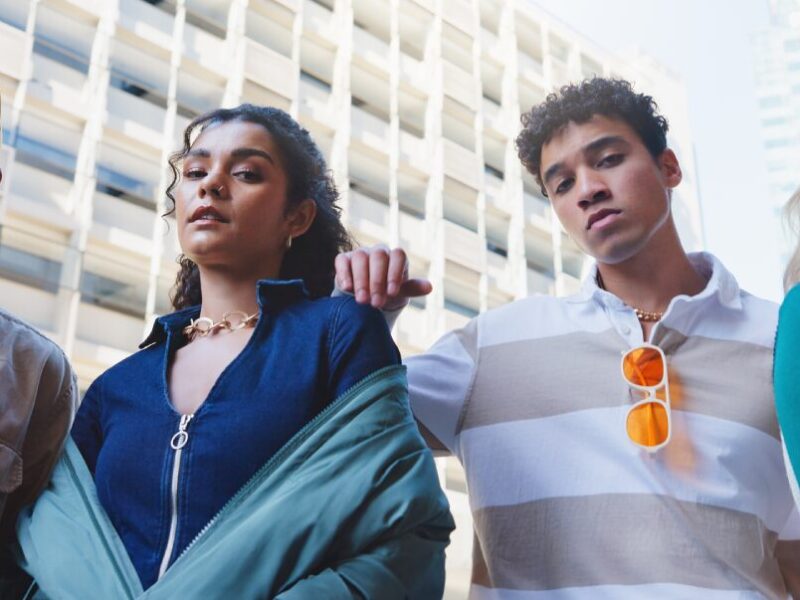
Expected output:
(288, 242)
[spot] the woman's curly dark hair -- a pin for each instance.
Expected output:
(579, 102)
(312, 254)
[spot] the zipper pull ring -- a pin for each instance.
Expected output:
(181, 436)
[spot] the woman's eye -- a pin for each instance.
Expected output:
(247, 175)
(194, 173)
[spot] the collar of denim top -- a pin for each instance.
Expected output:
(272, 294)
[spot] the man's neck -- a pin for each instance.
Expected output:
(653, 277)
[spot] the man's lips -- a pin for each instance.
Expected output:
(600, 217)
(207, 213)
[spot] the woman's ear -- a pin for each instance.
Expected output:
(301, 217)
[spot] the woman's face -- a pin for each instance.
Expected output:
(230, 202)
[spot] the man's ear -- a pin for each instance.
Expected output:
(301, 217)
(670, 168)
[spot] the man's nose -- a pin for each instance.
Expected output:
(592, 188)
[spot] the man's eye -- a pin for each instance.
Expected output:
(611, 160)
(563, 186)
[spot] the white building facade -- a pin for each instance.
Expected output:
(777, 64)
(415, 103)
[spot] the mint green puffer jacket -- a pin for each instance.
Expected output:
(349, 508)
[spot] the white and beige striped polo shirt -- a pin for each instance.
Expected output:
(530, 398)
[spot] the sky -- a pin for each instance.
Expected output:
(708, 43)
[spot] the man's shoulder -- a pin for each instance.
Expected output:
(17, 336)
(535, 316)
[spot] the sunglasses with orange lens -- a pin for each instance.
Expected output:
(649, 421)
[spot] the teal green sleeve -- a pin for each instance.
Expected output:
(408, 562)
(787, 375)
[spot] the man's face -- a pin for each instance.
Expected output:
(609, 193)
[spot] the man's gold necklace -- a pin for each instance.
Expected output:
(647, 316)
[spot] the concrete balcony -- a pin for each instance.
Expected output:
(538, 212)
(412, 329)
(270, 69)
(40, 191)
(147, 22)
(205, 49)
(414, 72)
(415, 152)
(463, 246)
(13, 48)
(6, 163)
(106, 332)
(453, 320)
(319, 21)
(530, 69)
(461, 164)
(496, 194)
(559, 72)
(91, 7)
(370, 49)
(491, 46)
(539, 283)
(135, 117)
(59, 86)
(31, 304)
(496, 118)
(459, 14)
(500, 275)
(118, 214)
(315, 104)
(459, 85)
(368, 217)
(369, 130)
(414, 237)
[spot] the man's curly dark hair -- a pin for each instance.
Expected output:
(579, 102)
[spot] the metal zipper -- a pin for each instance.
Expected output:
(288, 448)
(177, 442)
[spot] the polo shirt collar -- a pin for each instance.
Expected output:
(721, 285)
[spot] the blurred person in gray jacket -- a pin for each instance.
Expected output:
(38, 399)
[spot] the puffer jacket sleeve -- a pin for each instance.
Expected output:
(407, 560)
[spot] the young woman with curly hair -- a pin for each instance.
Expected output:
(260, 443)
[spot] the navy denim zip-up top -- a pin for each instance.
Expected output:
(302, 354)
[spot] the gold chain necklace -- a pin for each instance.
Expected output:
(648, 316)
(206, 326)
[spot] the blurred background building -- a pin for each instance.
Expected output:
(416, 104)
(777, 64)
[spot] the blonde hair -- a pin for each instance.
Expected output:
(791, 213)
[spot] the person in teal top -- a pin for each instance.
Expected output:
(787, 358)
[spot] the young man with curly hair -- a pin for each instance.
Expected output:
(621, 442)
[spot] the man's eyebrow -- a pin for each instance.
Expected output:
(552, 172)
(604, 142)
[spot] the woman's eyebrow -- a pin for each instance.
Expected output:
(248, 152)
